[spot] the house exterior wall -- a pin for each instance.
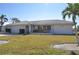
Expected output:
(3, 29)
(61, 29)
(15, 29)
(55, 29)
(30, 29)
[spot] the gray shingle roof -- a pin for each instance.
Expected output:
(42, 22)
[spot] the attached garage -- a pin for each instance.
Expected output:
(62, 29)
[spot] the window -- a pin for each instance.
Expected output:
(8, 30)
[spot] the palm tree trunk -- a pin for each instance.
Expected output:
(76, 35)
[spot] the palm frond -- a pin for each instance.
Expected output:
(5, 19)
(66, 13)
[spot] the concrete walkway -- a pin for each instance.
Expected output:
(3, 42)
(70, 47)
(7, 35)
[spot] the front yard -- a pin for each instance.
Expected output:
(34, 44)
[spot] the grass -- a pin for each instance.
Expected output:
(33, 44)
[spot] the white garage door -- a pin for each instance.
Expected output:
(63, 29)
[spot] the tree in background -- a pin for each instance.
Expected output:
(3, 19)
(72, 11)
(15, 20)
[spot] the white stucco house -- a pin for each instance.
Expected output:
(42, 26)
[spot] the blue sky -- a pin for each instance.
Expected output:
(33, 11)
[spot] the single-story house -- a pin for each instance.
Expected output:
(42, 26)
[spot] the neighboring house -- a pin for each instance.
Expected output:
(42, 26)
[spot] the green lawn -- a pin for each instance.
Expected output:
(33, 44)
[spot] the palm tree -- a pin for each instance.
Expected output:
(15, 20)
(72, 11)
(3, 19)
